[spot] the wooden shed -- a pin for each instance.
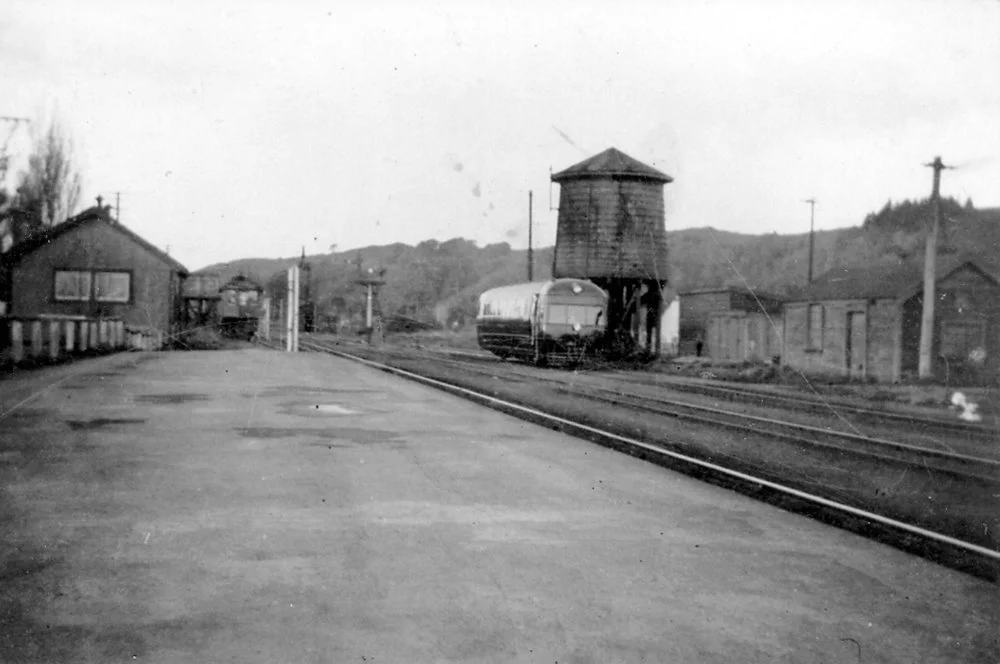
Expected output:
(865, 323)
(741, 315)
(91, 266)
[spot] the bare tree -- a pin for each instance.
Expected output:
(48, 190)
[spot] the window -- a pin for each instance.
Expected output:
(112, 286)
(72, 286)
(815, 339)
(960, 339)
(568, 314)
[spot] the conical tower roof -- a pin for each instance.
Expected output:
(612, 163)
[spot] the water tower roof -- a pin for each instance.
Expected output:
(610, 163)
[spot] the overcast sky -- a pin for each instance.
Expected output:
(238, 129)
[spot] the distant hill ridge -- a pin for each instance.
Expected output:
(442, 280)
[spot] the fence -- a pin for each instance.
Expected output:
(49, 339)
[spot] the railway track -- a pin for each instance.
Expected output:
(952, 551)
(956, 464)
(803, 404)
(822, 406)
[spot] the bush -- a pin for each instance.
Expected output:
(200, 338)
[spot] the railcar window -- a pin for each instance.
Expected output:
(568, 314)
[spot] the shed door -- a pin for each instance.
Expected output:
(856, 327)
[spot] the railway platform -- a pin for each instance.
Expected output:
(260, 506)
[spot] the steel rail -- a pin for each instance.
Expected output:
(815, 404)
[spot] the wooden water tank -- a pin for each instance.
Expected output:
(611, 220)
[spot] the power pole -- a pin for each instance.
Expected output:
(926, 366)
(531, 262)
(812, 227)
(118, 206)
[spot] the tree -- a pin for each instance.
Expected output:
(48, 190)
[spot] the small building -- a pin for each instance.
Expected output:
(201, 299)
(740, 316)
(91, 266)
(866, 323)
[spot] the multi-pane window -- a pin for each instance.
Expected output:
(72, 286)
(84, 285)
(112, 286)
(960, 339)
(815, 340)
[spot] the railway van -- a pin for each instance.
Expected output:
(548, 322)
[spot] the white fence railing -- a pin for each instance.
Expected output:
(51, 338)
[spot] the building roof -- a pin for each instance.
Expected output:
(94, 215)
(744, 290)
(895, 280)
(612, 163)
(241, 283)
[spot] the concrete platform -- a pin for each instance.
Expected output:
(255, 506)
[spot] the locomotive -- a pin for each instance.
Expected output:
(549, 322)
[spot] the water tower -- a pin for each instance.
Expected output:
(611, 230)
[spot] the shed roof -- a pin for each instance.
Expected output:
(93, 215)
(612, 162)
(241, 283)
(895, 280)
(743, 290)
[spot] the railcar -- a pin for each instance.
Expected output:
(239, 308)
(549, 322)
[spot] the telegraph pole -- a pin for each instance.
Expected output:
(812, 226)
(531, 262)
(926, 366)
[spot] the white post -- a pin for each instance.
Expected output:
(54, 339)
(70, 328)
(16, 340)
(264, 324)
(36, 338)
(297, 306)
(292, 320)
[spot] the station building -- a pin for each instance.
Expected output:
(91, 267)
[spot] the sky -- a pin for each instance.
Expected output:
(254, 129)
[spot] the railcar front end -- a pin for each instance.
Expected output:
(558, 321)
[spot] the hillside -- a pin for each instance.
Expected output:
(442, 280)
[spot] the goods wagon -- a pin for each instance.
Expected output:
(558, 321)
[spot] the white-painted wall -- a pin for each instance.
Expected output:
(670, 328)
